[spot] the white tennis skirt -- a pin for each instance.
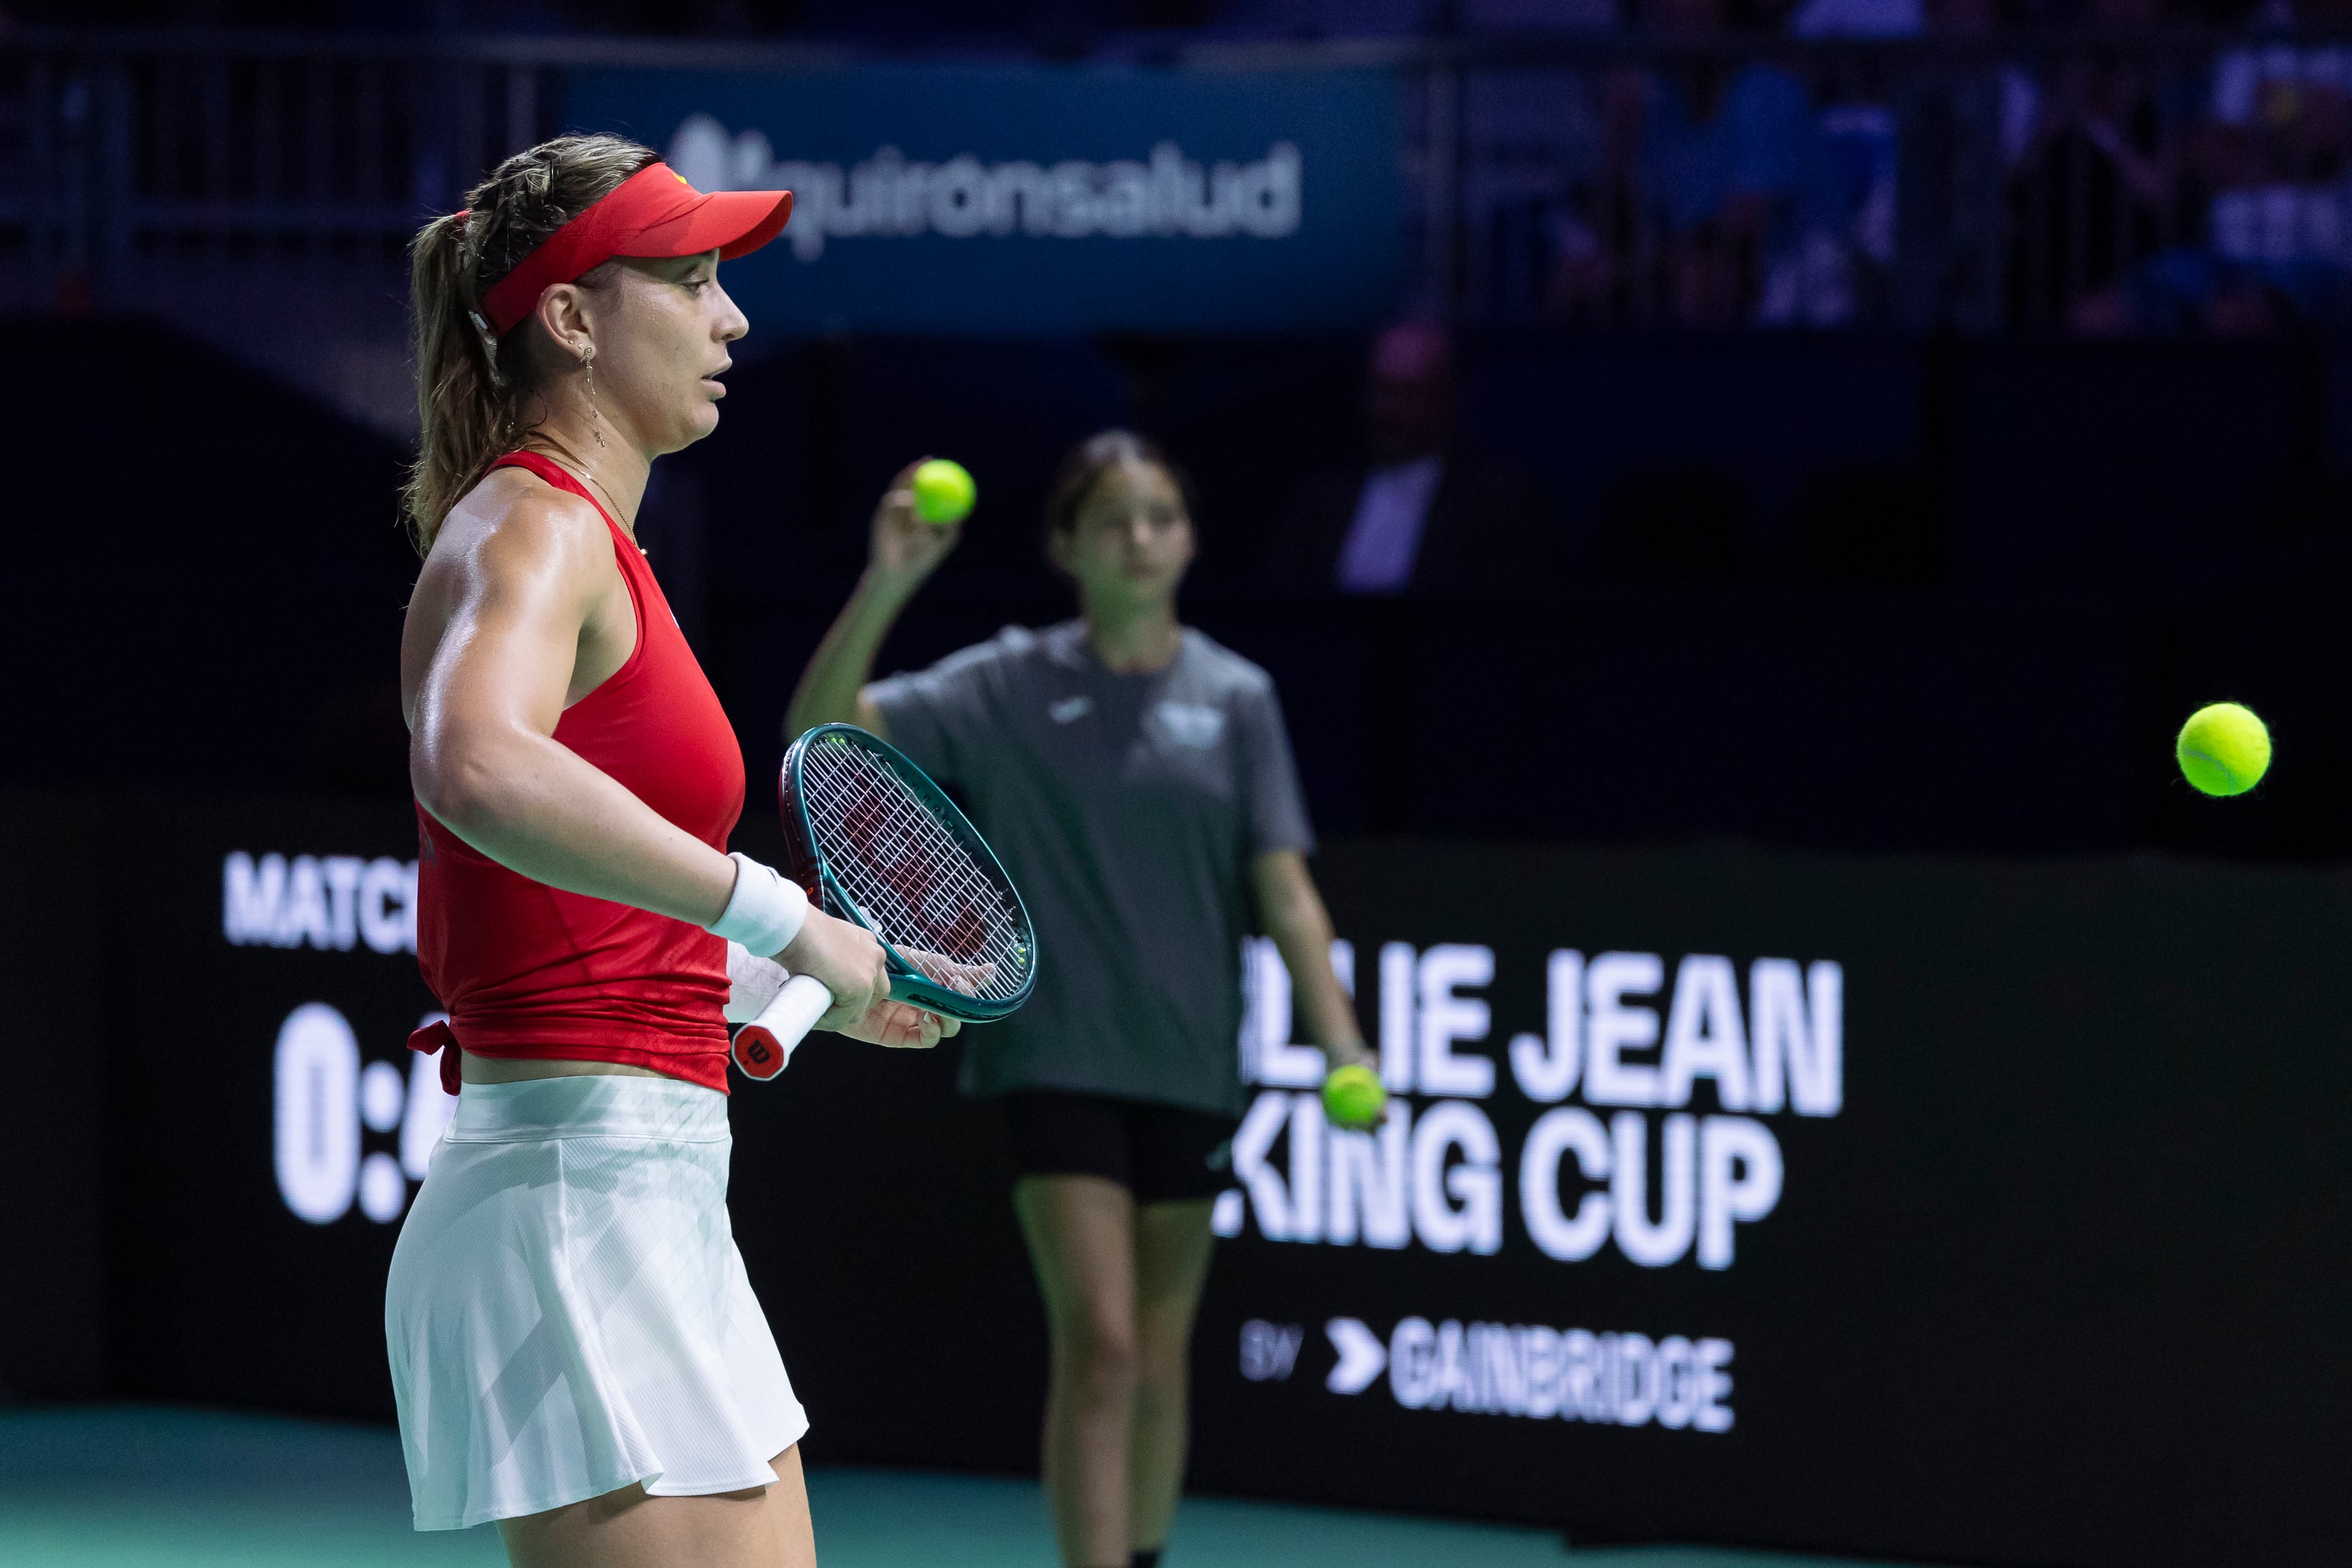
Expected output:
(567, 1312)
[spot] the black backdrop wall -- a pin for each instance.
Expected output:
(1820, 591)
(54, 963)
(1988, 1211)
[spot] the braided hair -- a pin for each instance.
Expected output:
(471, 385)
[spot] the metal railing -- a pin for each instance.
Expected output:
(122, 154)
(2154, 183)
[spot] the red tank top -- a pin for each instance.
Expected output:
(527, 970)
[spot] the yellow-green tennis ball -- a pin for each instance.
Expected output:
(1354, 1096)
(2223, 749)
(943, 492)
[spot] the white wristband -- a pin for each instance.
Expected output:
(764, 913)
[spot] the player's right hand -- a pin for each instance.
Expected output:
(845, 958)
(903, 545)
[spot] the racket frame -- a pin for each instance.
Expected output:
(807, 865)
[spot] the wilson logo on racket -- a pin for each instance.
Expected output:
(875, 842)
(756, 1052)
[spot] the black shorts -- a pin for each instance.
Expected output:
(1161, 1154)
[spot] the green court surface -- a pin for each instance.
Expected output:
(136, 1487)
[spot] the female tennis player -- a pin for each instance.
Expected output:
(1136, 780)
(575, 1348)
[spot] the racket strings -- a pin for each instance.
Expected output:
(923, 893)
(912, 879)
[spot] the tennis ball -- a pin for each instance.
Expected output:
(1352, 1096)
(943, 492)
(2223, 749)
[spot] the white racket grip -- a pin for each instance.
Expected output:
(764, 1046)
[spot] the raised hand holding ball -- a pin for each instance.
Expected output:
(943, 491)
(1353, 1097)
(909, 538)
(2223, 749)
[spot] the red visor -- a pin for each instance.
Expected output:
(654, 212)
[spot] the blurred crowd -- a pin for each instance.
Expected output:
(2088, 166)
(2133, 174)
(1104, 19)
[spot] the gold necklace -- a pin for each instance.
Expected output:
(580, 471)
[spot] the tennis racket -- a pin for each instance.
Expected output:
(872, 840)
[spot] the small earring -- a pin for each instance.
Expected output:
(596, 419)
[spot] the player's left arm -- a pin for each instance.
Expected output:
(1292, 914)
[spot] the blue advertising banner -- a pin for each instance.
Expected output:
(1041, 201)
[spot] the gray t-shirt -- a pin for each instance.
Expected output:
(1127, 809)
